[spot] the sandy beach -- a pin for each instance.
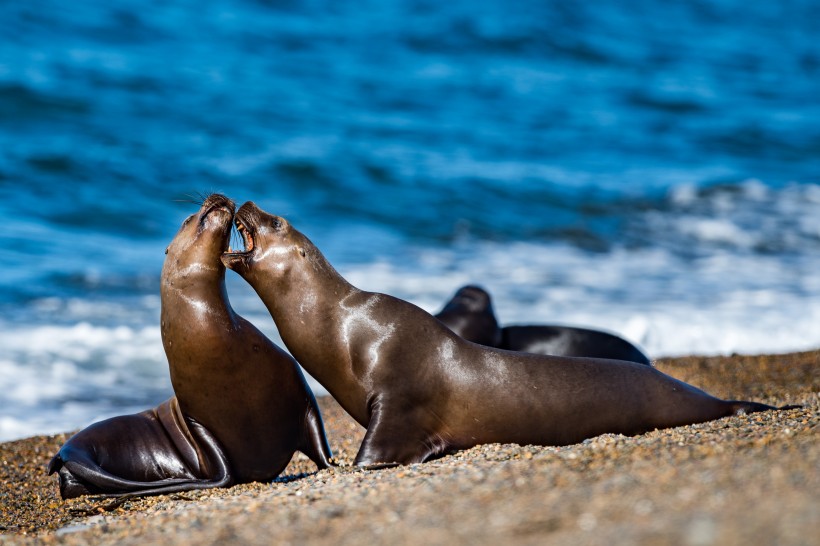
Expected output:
(740, 480)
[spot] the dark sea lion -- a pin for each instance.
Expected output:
(470, 314)
(242, 406)
(422, 391)
(155, 451)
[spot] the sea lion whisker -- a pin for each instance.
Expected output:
(197, 198)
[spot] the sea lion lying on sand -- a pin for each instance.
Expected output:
(469, 313)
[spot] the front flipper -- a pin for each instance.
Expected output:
(397, 438)
(314, 441)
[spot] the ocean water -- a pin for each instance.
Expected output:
(649, 168)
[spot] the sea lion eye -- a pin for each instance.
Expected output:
(166, 250)
(302, 252)
(276, 223)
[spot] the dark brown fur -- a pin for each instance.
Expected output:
(422, 391)
(242, 406)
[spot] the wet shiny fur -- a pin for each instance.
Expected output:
(226, 374)
(155, 451)
(421, 390)
(242, 406)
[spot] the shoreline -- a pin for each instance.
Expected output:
(744, 479)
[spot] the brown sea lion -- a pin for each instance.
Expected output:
(470, 314)
(155, 451)
(242, 405)
(422, 391)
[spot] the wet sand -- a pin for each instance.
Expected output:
(739, 480)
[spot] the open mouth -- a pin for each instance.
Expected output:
(245, 236)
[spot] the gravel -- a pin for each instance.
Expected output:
(739, 480)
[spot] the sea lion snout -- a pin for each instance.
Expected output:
(257, 220)
(217, 201)
(259, 231)
(218, 209)
(246, 219)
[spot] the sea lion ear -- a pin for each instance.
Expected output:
(166, 249)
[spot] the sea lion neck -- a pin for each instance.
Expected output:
(305, 307)
(304, 304)
(308, 285)
(196, 292)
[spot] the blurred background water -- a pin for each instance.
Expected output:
(649, 168)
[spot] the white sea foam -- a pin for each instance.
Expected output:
(57, 378)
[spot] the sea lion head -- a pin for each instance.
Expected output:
(272, 246)
(470, 314)
(470, 299)
(196, 248)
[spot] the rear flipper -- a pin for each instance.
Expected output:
(80, 476)
(155, 452)
(741, 407)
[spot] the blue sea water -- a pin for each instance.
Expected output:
(650, 168)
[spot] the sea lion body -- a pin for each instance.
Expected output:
(154, 451)
(569, 341)
(470, 314)
(421, 390)
(239, 398)
(226, 374)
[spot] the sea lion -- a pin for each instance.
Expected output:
(244, 400)
(422, 391)
(470, 314)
